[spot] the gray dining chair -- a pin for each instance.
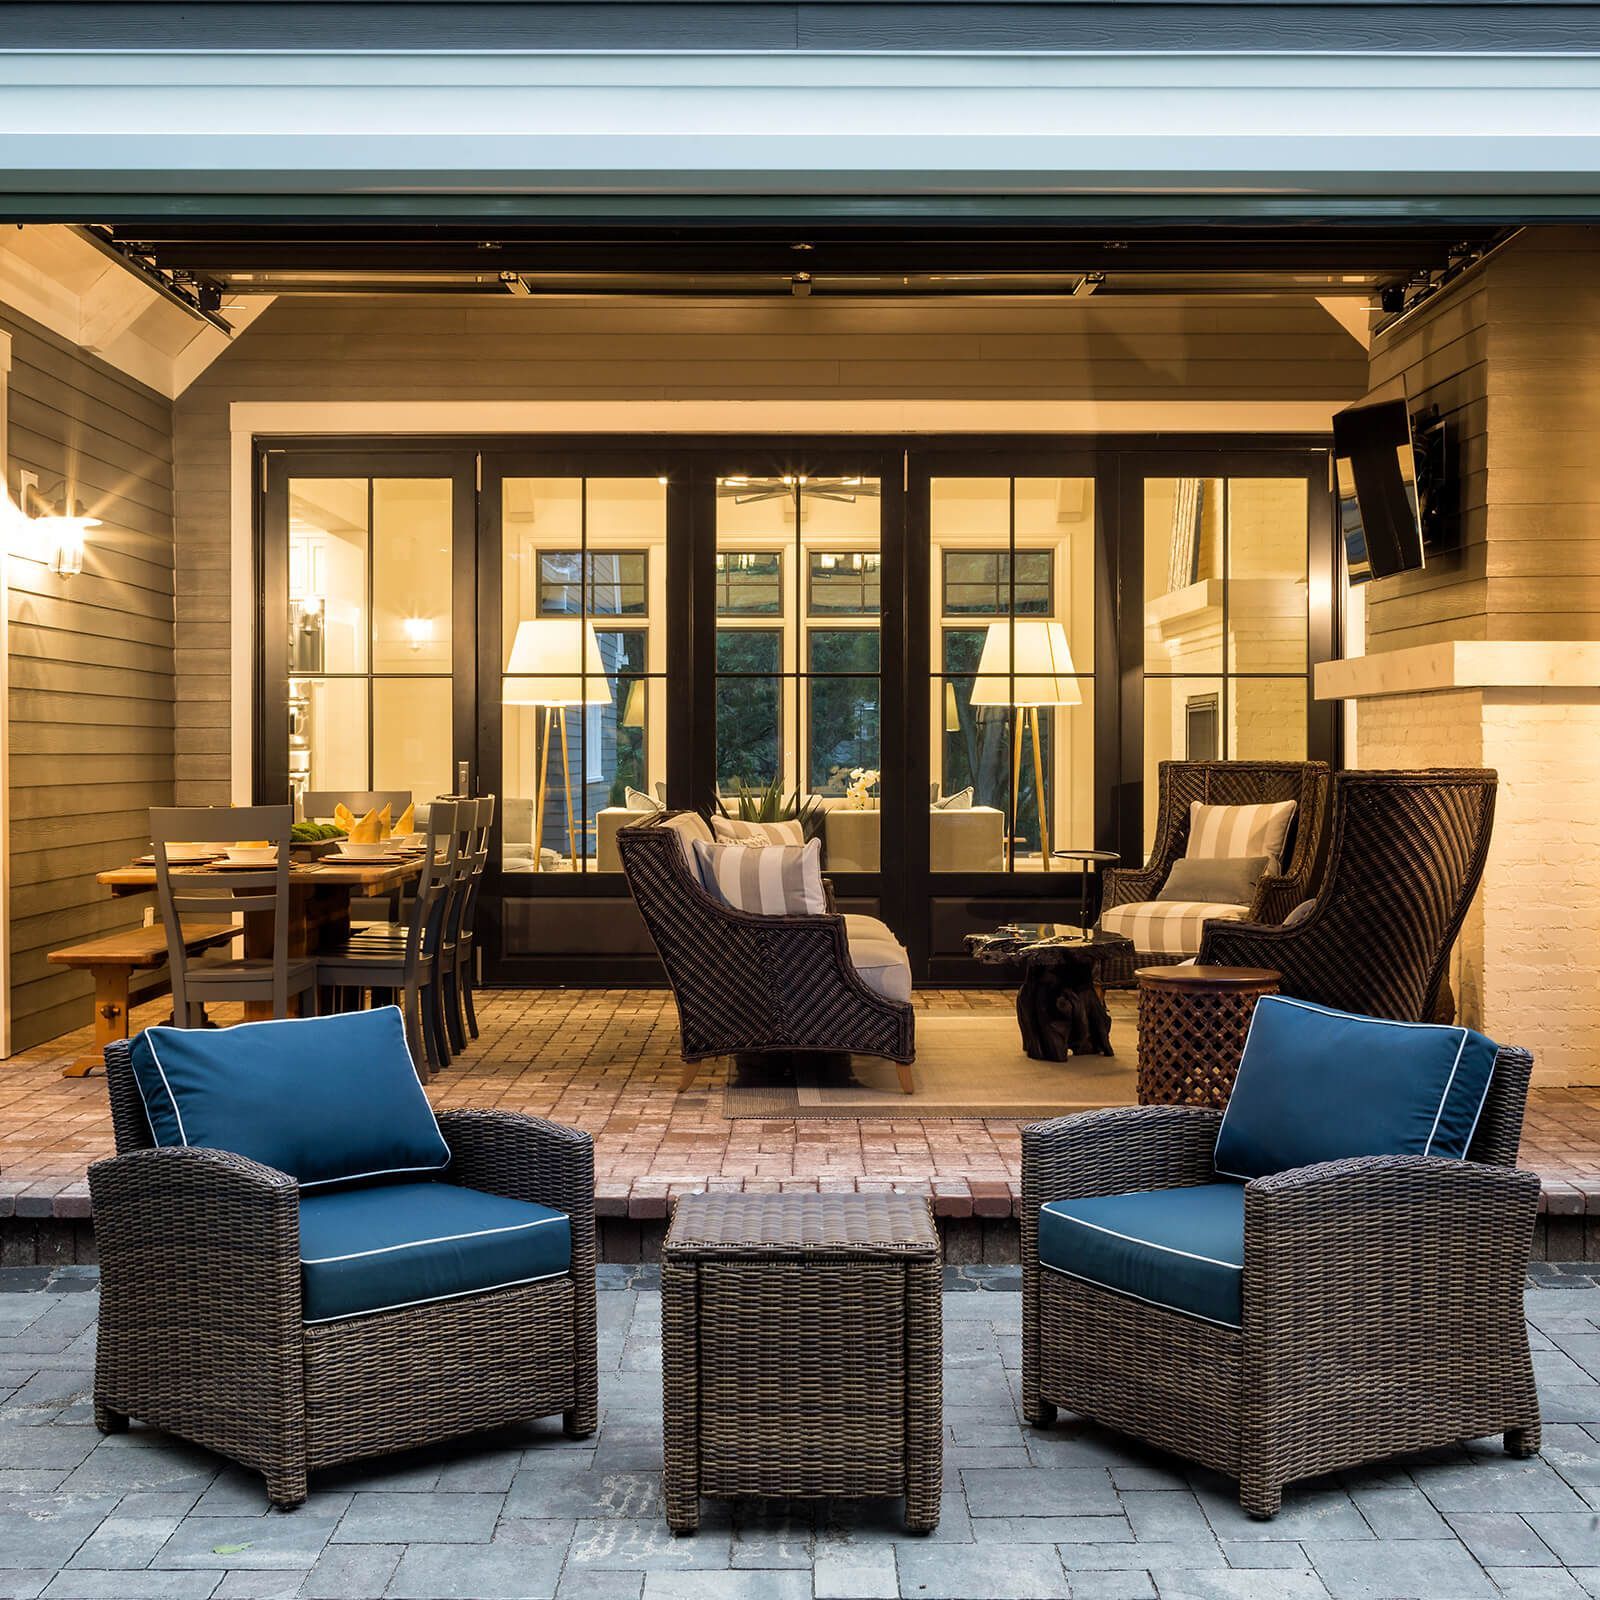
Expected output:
(403, 959)
(316, 803)
(466, 962)
(213, 893)
(319, 803)
(473, 820)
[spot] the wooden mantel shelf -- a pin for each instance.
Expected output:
(1463, 664)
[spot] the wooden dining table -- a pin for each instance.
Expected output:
(319, 902)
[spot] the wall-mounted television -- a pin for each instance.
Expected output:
(1375, 465)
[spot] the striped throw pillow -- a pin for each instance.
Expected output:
(1228, 832)
(730, 831)
(772, 880)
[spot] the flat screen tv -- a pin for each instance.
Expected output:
(1376, 468)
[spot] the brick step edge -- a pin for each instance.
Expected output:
(649, 1199)
(626, 1241)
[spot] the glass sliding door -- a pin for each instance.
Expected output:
(583, 707)
(798, 657)
(366, 568)
(1229, 564)
(1011, 697)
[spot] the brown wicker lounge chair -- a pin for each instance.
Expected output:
(1226, 783)
(1405, 856)
(748, 984)
(201, 1329)
(1382, 1301)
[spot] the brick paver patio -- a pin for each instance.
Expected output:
(606, 1060)
(528, 1514)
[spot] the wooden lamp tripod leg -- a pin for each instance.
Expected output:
(566, 789)
(1038, 789)
(542, 787)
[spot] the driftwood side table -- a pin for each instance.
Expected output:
(1192, 1027)
(801, 1351)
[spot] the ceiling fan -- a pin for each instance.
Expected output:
(745, 491)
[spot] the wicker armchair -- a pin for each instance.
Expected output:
(756, 984)
(1226, 783)
(201, 1329)
(1382, 1301)
(1404, 859)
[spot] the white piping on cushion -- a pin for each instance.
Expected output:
(455, 1294)
(448, 1238)
(1455, 1066)
(1160, 1305)
(177, 1114)
(1149, 1244)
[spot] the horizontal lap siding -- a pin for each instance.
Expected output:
(1442, 356)
(1155, 349)
(1512, 360)
(92, 700)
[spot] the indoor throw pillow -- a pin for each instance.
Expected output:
(771, 880)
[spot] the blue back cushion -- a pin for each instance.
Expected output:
(326, 1099)
(1319, 1085)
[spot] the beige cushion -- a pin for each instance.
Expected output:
(1168, 927)
(970, 840)
(879, 961)
(729, 830)
(689, 825)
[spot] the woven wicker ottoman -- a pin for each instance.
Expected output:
(1192, 1027)
(801, 1351)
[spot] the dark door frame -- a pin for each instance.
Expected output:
(904, 886)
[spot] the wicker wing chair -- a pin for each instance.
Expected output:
(1382, 1301)
(1227, 783)
(758, 984)
(1405, 856)
(201, 1323)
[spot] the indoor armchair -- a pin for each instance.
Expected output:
(412, 1280)
(1277, 1326)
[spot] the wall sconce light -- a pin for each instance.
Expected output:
(418, 631)
(60, 529)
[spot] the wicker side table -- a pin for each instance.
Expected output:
(801, 1351)
(1192, 1027)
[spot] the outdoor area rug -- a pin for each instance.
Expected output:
(968, 1065)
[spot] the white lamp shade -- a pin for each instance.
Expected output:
(547, 656)
(1043, 669)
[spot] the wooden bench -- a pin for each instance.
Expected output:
(112, 961)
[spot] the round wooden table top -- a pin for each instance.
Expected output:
(1198, 977)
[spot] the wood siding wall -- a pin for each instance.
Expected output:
(1512, 360)
(433, 349)
(1442, 357)
(92, 689)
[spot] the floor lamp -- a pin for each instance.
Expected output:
(555, 663)
(1042, 674)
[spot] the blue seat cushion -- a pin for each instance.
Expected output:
(325, 1099)
(404, 1244)
(1321, 1085)
(1178, 1248)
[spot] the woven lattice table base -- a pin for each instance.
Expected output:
(1192, 1033)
